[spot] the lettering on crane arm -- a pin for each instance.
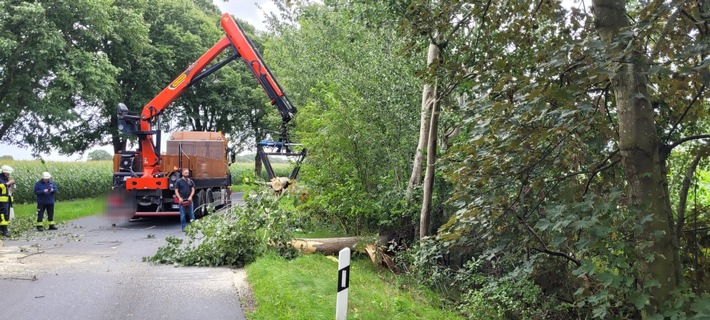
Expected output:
(180, 79)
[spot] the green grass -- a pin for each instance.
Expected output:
(305, 288)
(26, 214)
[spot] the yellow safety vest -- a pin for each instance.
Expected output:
(3, 193)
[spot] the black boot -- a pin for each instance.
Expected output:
(5, 233)
(52, 227)
(40, 228)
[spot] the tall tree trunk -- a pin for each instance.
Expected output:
(428, 98)
(428, 186)
(639, 148)
(257, 166)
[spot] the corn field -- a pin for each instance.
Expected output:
(74, 180)
(79, 180)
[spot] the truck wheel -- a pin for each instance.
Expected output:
(209, 200)
(200, 208)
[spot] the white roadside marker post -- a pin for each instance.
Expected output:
(341, 306)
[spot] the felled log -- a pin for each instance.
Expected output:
(279, 183)
(333, 245)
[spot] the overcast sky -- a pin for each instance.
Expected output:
(251, 11)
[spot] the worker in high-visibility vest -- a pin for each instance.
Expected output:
(5, 199)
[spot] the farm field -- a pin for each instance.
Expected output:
(82, 180)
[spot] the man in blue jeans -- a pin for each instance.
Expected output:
(184, 190)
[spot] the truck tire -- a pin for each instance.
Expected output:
(200, 208)
(209, 200)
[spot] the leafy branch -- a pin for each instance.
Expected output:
(545, 249)
(685, 112)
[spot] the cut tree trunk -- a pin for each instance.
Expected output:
(333, 245)
(257, 166)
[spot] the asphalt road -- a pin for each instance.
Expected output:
(90, 269)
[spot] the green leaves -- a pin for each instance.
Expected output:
(53, 68)
(358, 114)
(234, 237)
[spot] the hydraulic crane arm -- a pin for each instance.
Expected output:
(246, 50)
(242, 47)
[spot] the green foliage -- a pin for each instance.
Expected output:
(535, 171)
(67, 64)
(99, 155)
(75, 180)
(357, 116)
(506, 299)
(234, 237)
(55, 72)
(694, 240)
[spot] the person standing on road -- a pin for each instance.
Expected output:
(184, 190)
(5, 199)
(45, 190)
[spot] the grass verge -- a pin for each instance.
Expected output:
(26, 214)
(305, 288)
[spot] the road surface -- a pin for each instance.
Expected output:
(90, 269)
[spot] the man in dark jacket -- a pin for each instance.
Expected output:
(184, 190)
(45, 190)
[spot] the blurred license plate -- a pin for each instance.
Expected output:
(175, 206)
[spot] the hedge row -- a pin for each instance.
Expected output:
(78, 180)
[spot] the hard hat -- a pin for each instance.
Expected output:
(46, 175)
(7, 169)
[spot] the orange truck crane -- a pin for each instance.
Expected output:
(146, 178)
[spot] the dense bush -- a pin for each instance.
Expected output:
(359, 123)
(75, 180)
